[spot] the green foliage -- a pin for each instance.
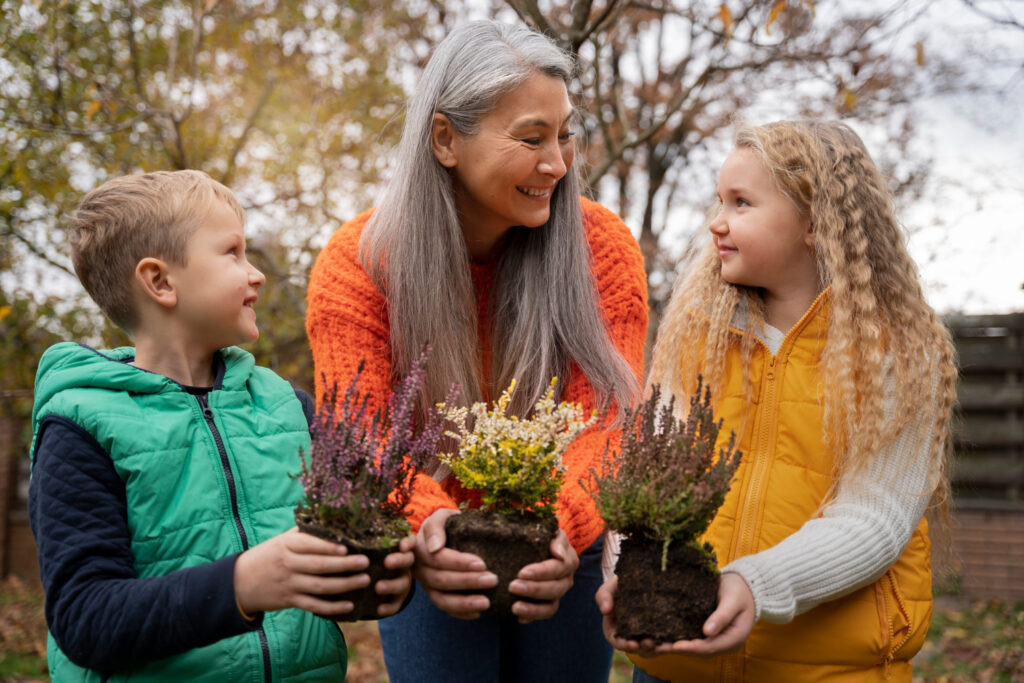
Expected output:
(287, 103)
(667, 479)
(514, 464)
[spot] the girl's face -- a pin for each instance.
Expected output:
(505, 174)
(762, 238)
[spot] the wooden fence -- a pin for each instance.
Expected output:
(988, 474)
(988, 470)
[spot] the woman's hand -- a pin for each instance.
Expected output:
(398, 587)
(724, 631)
(289, 570)
(545, 582)
(441, 570)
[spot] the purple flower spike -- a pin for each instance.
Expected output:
(359, 475)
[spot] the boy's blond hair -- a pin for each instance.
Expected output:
(134, 217)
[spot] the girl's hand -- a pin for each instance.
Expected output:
(398, 587)
(288, 571)
(728, 626)
(441, 570)
(545, 582)
(605, 598)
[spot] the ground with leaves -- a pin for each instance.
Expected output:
(977, 642)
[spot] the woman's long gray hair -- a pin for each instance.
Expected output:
(545, 306)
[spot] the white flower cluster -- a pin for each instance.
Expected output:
(551, 429)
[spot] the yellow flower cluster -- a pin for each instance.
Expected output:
(516, 464)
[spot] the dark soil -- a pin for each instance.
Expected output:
(505, 544)
(365, 600)
(665, 606)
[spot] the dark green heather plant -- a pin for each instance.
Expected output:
(667, 479)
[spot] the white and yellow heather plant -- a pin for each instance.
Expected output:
(514, 463)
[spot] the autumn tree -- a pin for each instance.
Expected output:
(288, 103)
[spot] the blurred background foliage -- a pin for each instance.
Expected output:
(296, 104)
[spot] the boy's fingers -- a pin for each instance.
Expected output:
(396, 586)
(330, 585)
(400, 560)
(327, 564)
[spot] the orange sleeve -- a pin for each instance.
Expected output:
(346, 321)
(618, 268)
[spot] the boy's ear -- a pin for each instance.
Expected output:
(152, 275)
(442, 140)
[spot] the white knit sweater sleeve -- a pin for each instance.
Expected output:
(858, 536)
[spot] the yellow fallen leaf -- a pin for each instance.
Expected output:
(773, 15)
(727, 21)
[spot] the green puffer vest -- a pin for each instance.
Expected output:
(197, 492)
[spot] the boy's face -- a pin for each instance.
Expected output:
(217, 286)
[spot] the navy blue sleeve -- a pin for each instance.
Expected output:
(308, 407)
(101, 614)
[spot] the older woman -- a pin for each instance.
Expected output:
(483, 247)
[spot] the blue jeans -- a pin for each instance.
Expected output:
(641, 676)
(423, 644)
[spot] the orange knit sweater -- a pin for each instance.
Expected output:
(347, 322)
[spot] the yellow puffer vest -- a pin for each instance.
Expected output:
(785, 472)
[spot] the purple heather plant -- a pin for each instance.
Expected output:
(667, 480)
(359, 475)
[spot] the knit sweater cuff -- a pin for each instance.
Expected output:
(427, 498)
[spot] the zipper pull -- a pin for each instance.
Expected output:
(205, 405)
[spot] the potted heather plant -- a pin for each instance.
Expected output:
(514, 465)
(660, 492)
(359, 474)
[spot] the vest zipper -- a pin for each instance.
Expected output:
(731, 665)
(229, 476)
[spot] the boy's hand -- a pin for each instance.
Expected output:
(288, 571)
(545, 581)
(403, 559)
(441, 570)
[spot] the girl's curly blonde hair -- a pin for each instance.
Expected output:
(880, 328)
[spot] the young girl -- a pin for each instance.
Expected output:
(806, 317)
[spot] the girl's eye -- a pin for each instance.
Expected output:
(565, 137)
(740, 201)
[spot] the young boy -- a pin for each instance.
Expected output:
(160, 485)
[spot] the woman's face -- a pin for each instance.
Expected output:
(505, 174)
